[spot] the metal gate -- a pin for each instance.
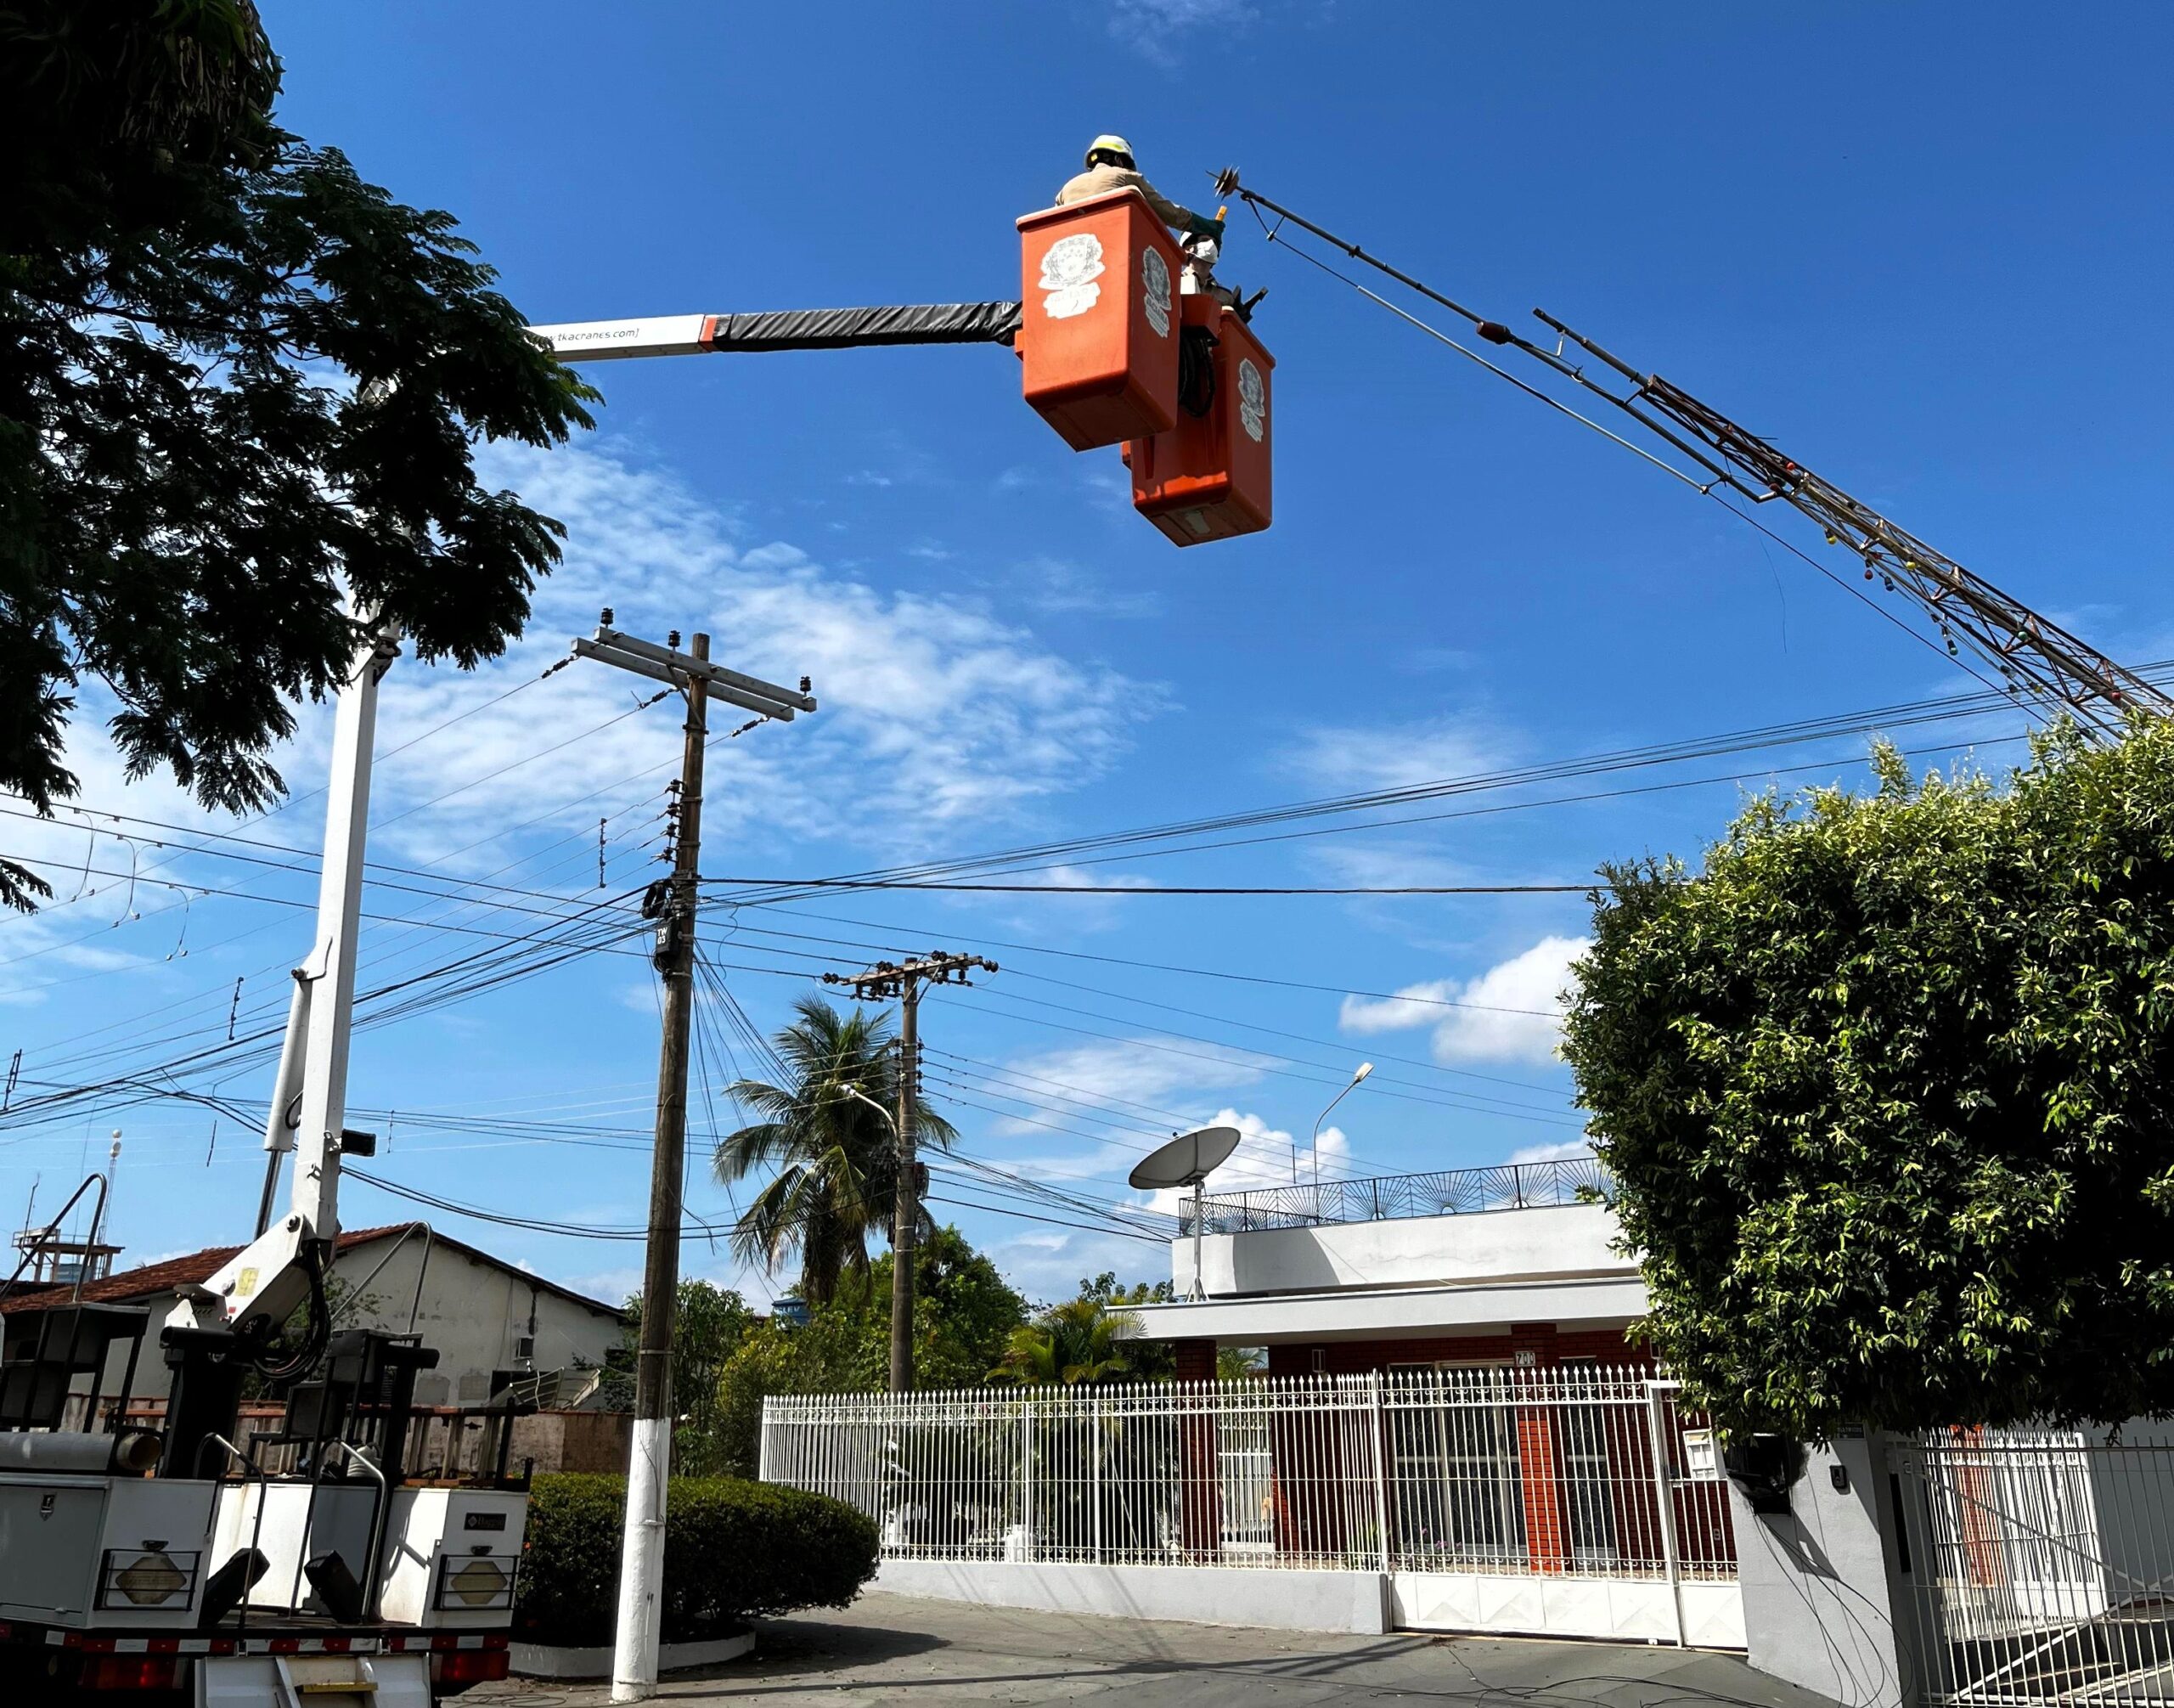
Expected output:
(1567, 1501)
(2037, 1566)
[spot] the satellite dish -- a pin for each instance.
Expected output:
(1187, 1161)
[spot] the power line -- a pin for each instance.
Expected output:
(1114, 891)
(2034, 656)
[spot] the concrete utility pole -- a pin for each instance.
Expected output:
(879, 984)
(672, 904)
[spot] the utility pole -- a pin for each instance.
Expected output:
(879, 984)
(670, 902)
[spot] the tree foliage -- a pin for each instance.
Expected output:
(233, 376)
(826, 1132)
(1885, 1090)
(963, 1310)
(1090, 1338)
(706, 1330)
(733, 1550)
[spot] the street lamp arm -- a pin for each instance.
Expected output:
(859, 1095)
(1314, 1144)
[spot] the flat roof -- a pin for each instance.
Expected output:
(1603, 1301)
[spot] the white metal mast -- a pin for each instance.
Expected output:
(263, 1284)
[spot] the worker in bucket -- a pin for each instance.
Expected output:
(1110, 167)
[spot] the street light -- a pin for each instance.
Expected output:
(1365, 1068)
(855, 1092)
(889, 1120)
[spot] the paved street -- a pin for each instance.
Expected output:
(891, 1649)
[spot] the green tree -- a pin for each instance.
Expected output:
(234, 376)
(963, 1311)
(1885, 1090)
(1107, 1290)
(826, 1134)
(706, 1330)
(1080, 1340)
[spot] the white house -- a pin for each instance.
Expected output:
(1507, 1265)
(481, 1314)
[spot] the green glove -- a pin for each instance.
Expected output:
(1203, 226)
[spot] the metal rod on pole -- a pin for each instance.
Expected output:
(905, 1206)
(672, 904)
(641, 1602)
(887, 979)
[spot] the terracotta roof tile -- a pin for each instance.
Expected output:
(153, 1280)
(150, 1279)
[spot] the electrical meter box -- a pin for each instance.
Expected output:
(1099, 314)
(1209, 476)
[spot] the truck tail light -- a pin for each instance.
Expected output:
(131, 1672)
(470, 1666)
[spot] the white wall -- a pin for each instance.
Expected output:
(474, 1314)
(1818, 1609)
(1353, 1601)
(1486, 1245)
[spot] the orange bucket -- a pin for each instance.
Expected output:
(1210, 476)
(1099, 315)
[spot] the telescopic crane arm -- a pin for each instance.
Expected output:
(255, 1292)
(787, 329)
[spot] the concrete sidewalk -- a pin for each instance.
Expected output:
(887, 1648)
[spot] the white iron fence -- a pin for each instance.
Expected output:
(1562, 1474)
(2037, 1566)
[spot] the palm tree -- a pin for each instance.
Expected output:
(1081, 1340)
(826, 1133)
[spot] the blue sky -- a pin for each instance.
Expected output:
(1923, 248)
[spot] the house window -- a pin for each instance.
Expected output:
(1590, 1512)
(1246, 1469)
(1454, 1454)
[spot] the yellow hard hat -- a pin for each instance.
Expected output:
(1108, 145)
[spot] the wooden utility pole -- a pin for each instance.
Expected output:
(880, 982)
(672, 904)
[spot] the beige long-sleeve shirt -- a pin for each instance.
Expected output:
(1100, 179)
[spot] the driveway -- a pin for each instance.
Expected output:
(889, 1649)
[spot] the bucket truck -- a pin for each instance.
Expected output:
(320, 1562)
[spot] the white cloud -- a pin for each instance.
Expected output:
(1149, 26)
(1386, 864)
(1511, 1012)
(1566, 1151)
(1060, 588)
(1352, 759)
(933, 712)
(99, 920)
(1132, 1077)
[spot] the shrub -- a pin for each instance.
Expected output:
(1884, 1091)
(732, 1550)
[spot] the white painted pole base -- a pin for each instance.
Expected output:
(641, 1564)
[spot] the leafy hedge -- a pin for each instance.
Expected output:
(732, 1550)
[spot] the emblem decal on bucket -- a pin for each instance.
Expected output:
(1155, 289)
(1070, 267)
(1252, 400)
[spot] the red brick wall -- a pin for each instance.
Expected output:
(1543, 1340)
(1196, 1360)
